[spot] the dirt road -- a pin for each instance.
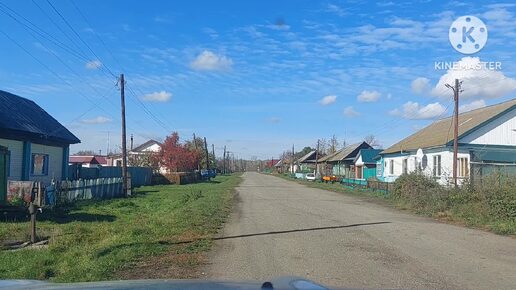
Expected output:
(281, 228)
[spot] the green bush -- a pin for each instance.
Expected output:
(500, 193)
(422, 192)
(490, 202)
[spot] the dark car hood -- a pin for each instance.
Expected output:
(281, 283)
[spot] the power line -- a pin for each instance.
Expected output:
(31, 27)
(134, 97)
(77, 34)
(58, 27)
(147, 111)
(34, 28)
(96, 34)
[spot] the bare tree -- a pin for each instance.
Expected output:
(323, 146)
(371, 140)
(333, 145)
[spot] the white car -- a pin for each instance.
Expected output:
(310, 177)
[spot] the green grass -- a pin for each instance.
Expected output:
(93, 240)
(465, 209)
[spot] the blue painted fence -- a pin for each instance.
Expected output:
(67, 191)
(139, 175)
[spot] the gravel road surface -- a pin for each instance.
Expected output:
(281, 228)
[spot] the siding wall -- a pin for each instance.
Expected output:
(498, 132)
(55, 162)
(16, 149)
(446, 165)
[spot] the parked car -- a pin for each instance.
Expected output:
(310, 177)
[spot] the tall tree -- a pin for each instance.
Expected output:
(371, 140)
(198, 146)
(178, 157)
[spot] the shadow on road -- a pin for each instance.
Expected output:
(281, 232)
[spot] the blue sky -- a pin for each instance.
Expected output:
(257, 76)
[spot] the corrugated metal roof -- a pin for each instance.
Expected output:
(306, 156)
(23, 117)
(345, 152)
(439, 132)
(82, 159)
(145, 145)
(325, 158)
(368, 155)
(87, 159)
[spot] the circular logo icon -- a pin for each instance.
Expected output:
(468, 34)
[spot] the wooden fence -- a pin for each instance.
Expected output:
(139, 175)
(67, 191)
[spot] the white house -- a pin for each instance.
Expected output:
(138, 155)
(487, 136)
(37, 145)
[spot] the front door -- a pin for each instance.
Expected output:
(359, 174)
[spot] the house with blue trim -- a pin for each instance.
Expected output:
(365, 164)
(486, 142)
(342, 162)
(36, 146)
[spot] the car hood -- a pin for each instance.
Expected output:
(281, 283)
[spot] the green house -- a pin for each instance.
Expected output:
(365, 163)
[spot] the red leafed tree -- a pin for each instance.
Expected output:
(176, 156)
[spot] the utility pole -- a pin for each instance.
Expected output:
(195, 145)
(316, 158)
(224, 161)
(207, 155)
(124, 145)
(213, 153)
(293, 158)
(456, 91)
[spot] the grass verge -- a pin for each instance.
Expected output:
(464, 207)
(110, 239)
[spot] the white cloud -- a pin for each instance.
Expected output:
(476, 83)
(210, 61)
(94, 64)
(368, 96)
(350, 112)
(420, 85)
(274, 120)
(162, 96)
(97, 120)
(414, 111)
(336, 9)
(328, 100)
(472, 106)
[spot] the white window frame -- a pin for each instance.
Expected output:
(463, 167)
(437, 165)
